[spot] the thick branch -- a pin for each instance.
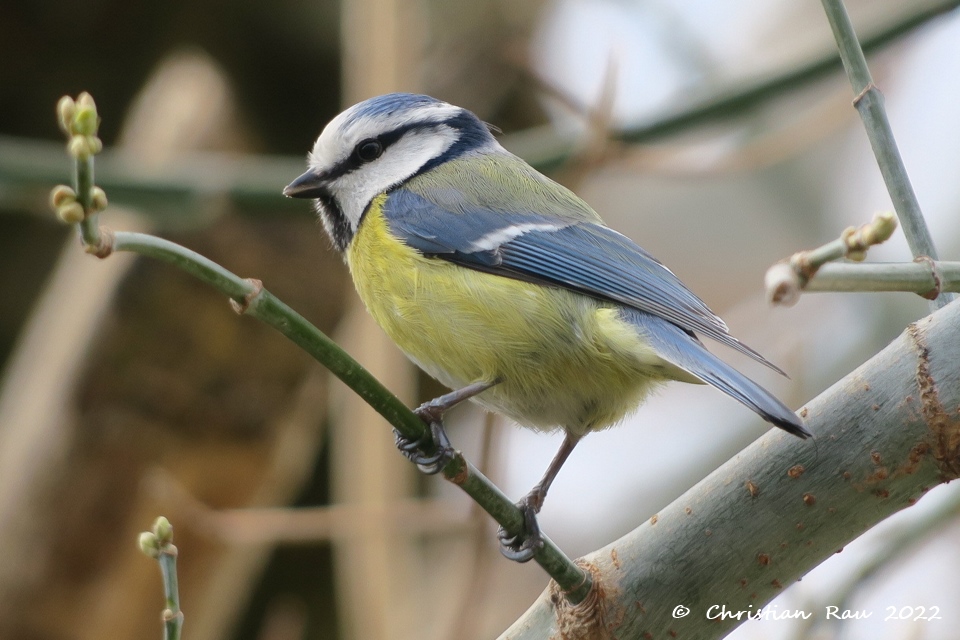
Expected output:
(885, 434)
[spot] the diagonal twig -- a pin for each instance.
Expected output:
(869, 103)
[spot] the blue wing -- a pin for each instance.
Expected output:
(575, 254)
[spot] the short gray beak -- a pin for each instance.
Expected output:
(309, 185)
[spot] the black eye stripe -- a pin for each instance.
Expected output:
(472, 133)
(354, 161)
(391, 137)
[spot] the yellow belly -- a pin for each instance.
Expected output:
(564, 360)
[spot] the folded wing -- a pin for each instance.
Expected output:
(582, 256)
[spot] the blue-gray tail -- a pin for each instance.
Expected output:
(683, 350)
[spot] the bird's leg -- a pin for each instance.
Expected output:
(432, 414)
(523, 546)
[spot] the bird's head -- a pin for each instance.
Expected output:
(377, 145)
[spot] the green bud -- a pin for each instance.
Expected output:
(61, 195)
(71, 212)
(79, 148)
(66, 108)
(163, 530)
(149, 544)
(98, 199)
(85, 121)
(96, 145)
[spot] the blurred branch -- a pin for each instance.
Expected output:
(712, 154)
(186, 192)
(39, 427)
(190, 191)
(158, 544)
(595, 145)
(300, 433)
(887, 433)
(318, 524)
(249, 297)
(546, 149)
(869, 103)
(280, 525)
(748, 96)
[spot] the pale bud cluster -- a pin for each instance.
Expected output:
(79, 121)
(63, 200)
(158, 540)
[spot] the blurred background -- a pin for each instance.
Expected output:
(719, 134)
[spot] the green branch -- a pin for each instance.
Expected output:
(249, 297)
(869, 103)
(158, 544)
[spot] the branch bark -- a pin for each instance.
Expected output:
(884, 435)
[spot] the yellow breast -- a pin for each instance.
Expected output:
(565, 360)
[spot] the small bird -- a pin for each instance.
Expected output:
(504, 285)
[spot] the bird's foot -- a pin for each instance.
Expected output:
(523, 546)
(432, 415)
(414, 450)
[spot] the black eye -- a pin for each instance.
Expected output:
(368, 150)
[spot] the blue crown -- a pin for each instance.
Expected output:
(392, 103)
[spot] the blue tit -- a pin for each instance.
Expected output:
(504, 285)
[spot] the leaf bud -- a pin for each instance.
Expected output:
(66, 109)
(61, 195)
(149, 544)
(71, 213)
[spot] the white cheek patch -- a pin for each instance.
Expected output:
(402, 159)
(347, 129)
(494, 239)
